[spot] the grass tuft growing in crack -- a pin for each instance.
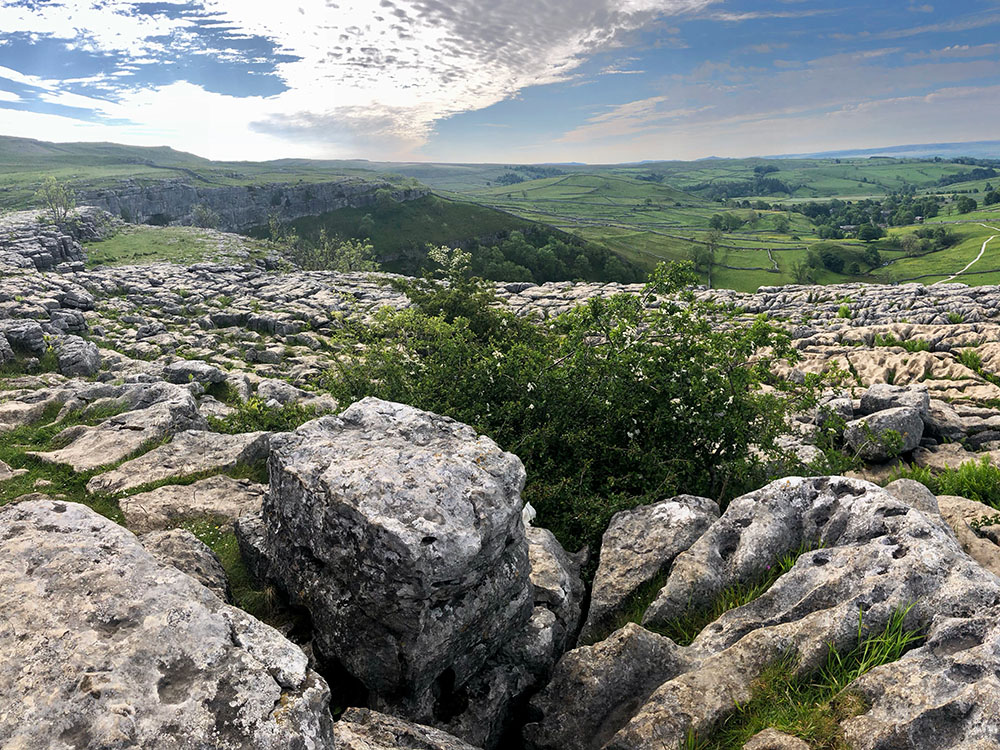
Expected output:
(813, 706)
(684, 629)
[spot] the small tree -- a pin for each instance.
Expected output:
(966, 204)
(205, 217)
(869, 232)
(802, 272)
(57, 198)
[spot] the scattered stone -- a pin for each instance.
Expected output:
(638, 548)
(190, 452)
(125, 434)
(192, 371)
(595, 687)
(219, 497)
(77, 358)
(872, 436)
(104, 646)
(960, 512)
(881, 397)
(772, 739)
(187, 553)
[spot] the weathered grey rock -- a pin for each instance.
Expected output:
(122, 435)
(913, 494)
(26, 335)
(595, 689)
(876, 555)
(557, 583)
(7, 473)
(190, 452)
(6, 351)
(77, 358)
(280, 391)
(361, 729)
(939, 457)
(401, 532)
(187, 553)
(500, 689)
(103, 646)
(836, 409)
(881, 396)
(959, 513)
(870, 436)
(219, 497)
(637, 550)
(943, 422)
(772, 739)
(192, 371)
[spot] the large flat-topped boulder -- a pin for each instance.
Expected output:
(401, 532)
(190, 452)
(102, 646)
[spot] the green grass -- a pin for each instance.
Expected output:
(813, 706)
(248, 595)
(138, 245)
(974, 480)
(684, 629)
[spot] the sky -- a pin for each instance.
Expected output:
(504, 81)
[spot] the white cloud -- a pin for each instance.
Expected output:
(9, 96)
(366, 72)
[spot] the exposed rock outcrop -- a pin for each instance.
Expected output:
(241, 207)
(876, 556)
(104, 647)
(401, 532)
(637, 549)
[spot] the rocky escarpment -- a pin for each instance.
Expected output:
(240, 207)
(29, 240)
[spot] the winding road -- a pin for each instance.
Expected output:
(976, 259)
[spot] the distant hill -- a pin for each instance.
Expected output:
(980, 149)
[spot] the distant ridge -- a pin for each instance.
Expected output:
(982, 149)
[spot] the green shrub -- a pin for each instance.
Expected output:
(609, 406)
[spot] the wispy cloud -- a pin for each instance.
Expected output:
(378, 73)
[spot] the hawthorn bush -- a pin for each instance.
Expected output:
(609, 406)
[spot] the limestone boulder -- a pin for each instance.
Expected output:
(218, 497)
(772, 739)
(77, 357)
(873, 437)
(637, 550)
(190, 452)
(595, 687)
(187, 553)
(103, 646)
(914, 494)
(870, 556)
(960, 513)
(193, 371)
(556, 581)
(401, 532)
(882, 396)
